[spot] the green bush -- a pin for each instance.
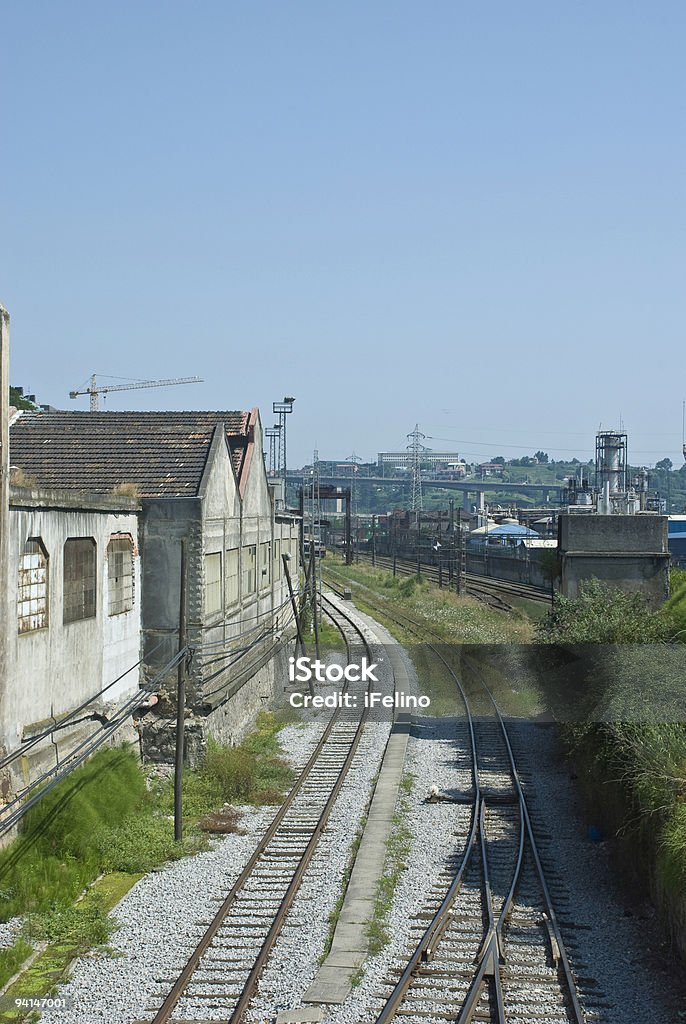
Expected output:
(55, 856)
(602, 615)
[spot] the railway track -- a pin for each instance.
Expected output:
(222, 973)
(487, 944)
(477, 585)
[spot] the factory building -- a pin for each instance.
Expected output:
(608, 532)
(199, 482)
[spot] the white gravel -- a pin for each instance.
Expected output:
(614, 941)
(9, 931)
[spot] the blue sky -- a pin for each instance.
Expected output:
(465, 215)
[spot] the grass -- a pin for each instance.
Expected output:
(104, 819)
(61, 848)
(67, 931)
(12, 957)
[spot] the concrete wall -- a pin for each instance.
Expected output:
(503, 563)
(220, 690)
(627, 552)
(52, 670)
(229, 722)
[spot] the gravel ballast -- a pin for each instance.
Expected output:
(614, 945)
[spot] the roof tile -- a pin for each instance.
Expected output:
(163, 453)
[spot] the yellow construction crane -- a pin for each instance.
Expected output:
(93, 390)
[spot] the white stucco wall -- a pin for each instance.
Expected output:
(51, 670)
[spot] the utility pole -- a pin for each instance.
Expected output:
(451, 530)
(462, 563)
(180, 703)
(419, 545)
(273, 434)
(283, 410)
(373, 540)
(285, 558)
(315, 526)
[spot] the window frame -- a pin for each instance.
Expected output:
(248, 570)
(87, 609)
(31, 578)
(230, 555)
(212, 585)
(121, 539)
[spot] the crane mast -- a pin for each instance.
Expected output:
(94, 390)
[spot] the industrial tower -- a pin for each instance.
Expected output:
(416, 448)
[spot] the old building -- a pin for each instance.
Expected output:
(201, 483)
(73, 599)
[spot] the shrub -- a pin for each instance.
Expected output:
(602, 615)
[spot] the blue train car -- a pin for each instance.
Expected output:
(677, 539)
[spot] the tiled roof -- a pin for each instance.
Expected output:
(162, 453)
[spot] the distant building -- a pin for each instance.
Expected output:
(403, 460)
(490, 469)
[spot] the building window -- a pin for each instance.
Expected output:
(265, 564)
(231, 576)
(79, 579)
(33, 587)
(120, 575)
(213, 583)
(249, 570)
(276, 572)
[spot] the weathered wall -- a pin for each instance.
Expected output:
(52, 670)
(627, 552)
(166, 522)
(228, 723)
(222, 692)
(503, 565)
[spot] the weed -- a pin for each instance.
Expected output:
(11, 959)
(80, 927)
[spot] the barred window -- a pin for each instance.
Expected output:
(265, 564)
(231, 576)
(249, 570)
(32, 607)
(276, 571)
(213, 583)
(120, 575)
(79, 579)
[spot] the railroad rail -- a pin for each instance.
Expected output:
(492, 949)
(478, 585)
(223, 970)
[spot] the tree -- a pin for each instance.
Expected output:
(499, 459)
(664, 464)
(19, 402)
(542, 457)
